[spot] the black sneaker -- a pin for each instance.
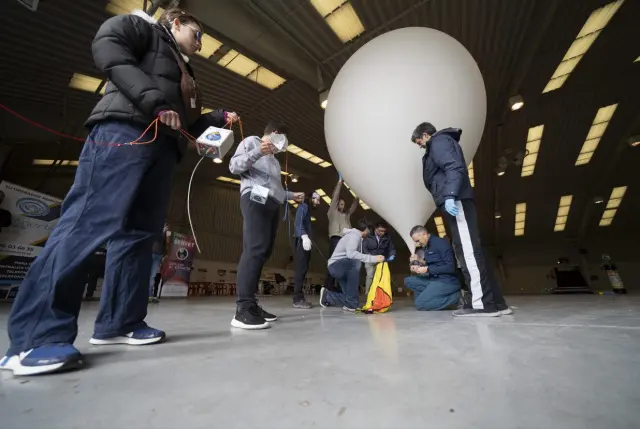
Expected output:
(250, 318)
(302, 304)
(473, 312)
(268, 316)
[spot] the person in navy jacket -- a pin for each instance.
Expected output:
(302, 247)
(434, 281)
(446, 177)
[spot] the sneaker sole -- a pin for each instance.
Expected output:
(21, 370)
(125, 340)
(299, 308)
(272, 319)
(496, 314)
(238, 324)
(506, 312)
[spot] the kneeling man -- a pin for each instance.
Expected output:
(434, 281)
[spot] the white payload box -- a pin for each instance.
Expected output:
(214, 143)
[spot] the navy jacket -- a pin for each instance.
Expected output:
(444, 169)
(302, 223)
(440, 260)
(384, 247)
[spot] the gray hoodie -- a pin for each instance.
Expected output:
(350, 247)
(255, 168)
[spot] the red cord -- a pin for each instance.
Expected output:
(35, 124)
(137, 141)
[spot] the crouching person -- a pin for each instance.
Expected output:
(434, 281)
(344, 266)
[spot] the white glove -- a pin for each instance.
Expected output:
(306, 242)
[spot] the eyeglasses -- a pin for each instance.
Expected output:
(197, 33)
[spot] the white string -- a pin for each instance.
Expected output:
(189, 204)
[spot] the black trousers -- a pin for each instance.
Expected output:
(259, 228)
(301, 260)
(485, 291)
(329, 282)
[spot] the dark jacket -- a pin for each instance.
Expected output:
(302, 223)
(143, 75)
(384, 247)
(444, 169)
(440, 259)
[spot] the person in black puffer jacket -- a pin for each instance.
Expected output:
(119, 196)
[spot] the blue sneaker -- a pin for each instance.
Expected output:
(139, 337)
(43, 360)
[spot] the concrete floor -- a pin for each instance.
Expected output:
(560, 362)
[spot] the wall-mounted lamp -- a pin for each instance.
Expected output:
(634, 141)
(516, 103)
(294, 178)
(497, 215)
(324, 98)
(598, 200)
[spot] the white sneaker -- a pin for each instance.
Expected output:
(506, 311)
(10, 363)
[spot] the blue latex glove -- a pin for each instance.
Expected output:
(391, 258)
(450, 207)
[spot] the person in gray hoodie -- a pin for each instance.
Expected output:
(261, 195)
(344, 266)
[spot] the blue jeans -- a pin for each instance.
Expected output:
(431, 294)
(347, 273)
(119, 196)
(156, 261)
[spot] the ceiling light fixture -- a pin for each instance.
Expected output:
(598, 127)
(596, 22)
(516, 103)
(497, 215)
(341, 17)
(249, 69)
(440, 226)
(521, 214)
(534, 138)
(563, 213)
(124, 7)
(50, 162)
(617, 194)
(308, 156)
(598, 200)
(86, 83)
(228, 180)
(294, 178)
(326, 198)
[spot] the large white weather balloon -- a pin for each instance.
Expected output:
(388, 87)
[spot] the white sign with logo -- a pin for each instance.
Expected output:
(33, 217)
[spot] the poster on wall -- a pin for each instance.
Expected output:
(177, 266)
(33, 217)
